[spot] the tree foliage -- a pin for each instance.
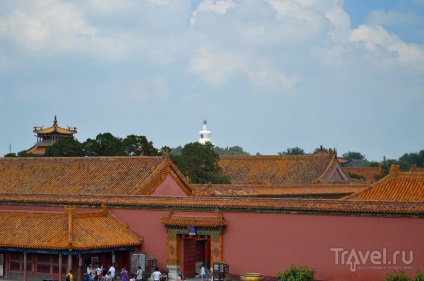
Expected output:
(65, 147)
(293, 151)
(234, 150)
(353, 155)
(199, 163)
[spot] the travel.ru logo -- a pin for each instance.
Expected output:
(377, 258)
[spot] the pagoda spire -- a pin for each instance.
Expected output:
(55, 121)
(205, 134)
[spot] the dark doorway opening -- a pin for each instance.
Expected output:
(196, 252)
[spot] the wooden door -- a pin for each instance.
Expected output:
(189, 269)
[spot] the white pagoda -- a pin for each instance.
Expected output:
(205, 134)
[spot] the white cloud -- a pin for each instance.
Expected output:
(55, 26)
(218, 67)
(216, 6)
(385, 46)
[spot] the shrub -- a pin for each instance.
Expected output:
(419, 276)
(294, 273)
(397, 276)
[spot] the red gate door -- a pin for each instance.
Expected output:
(189, 269)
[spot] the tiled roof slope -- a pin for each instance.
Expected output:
(67, 230)
(309, 190)
(136, 175)
(285, 169)
(174, 220)
(369, 173)
(239, 204)
(397, 186)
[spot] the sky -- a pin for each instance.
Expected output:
(267, 75)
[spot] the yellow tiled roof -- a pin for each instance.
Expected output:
(398, 187)
(308, 190)
(368, 173)
(55, 129)
(67, 230)
(298, 169)
(86, 175)
(39, 150)
(174, 220)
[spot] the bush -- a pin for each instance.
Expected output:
(419, 276)
(402, 276)
(397, 276)
(294, 273)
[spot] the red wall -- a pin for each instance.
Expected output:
(269, 243)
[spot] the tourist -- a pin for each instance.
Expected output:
(202, 272)
(112, 271)
(124, 274)
(156, 276)
(139, 274)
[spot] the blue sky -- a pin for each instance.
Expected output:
(266, 75)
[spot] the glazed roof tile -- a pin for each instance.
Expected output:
(66, 230)
(310, 190)
(135, 175)
(242, 204)
(285, 169)
(174, 220)
(369, 173)
(397, 187)
(37, 149)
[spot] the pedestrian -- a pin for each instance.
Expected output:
(156, 276)
(132, 278)
(202, 272)
(124, 274)
(69, 276)
(112, 271)
(139, 274)
(108, 277)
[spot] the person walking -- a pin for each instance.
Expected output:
(202, 272)
(112, 271)
(156, 275)
(139, 274)
(69, 276)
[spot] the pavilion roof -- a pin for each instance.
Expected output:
(69, 230)
(55, 129)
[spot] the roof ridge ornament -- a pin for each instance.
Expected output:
(394, 170)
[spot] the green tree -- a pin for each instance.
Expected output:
(65, 147)
(353, 155)
(11, 154)
(104, 145)
(234, 150)
(413, 158)
(134, 145)
(24, 153)
(293, 151)
(199, 163)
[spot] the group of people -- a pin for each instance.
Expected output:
(100, 273)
